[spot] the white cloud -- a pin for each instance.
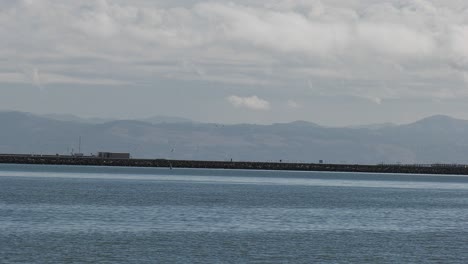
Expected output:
(282, 31)
(41, 79)
(374, 99)
(395, 39)
(252, 102)
(459, 40)
(36, 78)
(293, 104)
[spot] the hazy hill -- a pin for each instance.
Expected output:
(433, 139)
(73, 118)
(158, 119)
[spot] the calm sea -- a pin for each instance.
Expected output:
(53, 214)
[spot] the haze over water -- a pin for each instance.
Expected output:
(52, 214)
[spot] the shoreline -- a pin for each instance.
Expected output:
(235, 165)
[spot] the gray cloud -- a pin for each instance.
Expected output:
(251, 102)
(375, 50)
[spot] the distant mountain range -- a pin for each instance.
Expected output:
(436, 139)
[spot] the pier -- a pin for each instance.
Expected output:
(244, 165)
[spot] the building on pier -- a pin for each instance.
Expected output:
(113, 155)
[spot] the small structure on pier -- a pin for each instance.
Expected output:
(113, 155)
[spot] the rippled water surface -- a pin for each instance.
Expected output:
(52, 214)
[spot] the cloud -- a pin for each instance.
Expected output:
(281, 31)
(345, 47)
(459, 39)
(293, 104)
(252, 102)
(36, 78)
(375, 100)
(395, 39)
(42, 79)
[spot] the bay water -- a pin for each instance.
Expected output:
(73, 214)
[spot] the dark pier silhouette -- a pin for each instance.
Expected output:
(454, 169)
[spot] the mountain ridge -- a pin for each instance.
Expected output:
(158, 119)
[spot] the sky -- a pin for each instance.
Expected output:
(335, 62)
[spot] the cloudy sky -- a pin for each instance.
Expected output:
(334, 62)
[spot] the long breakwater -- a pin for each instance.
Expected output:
(245, 165)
